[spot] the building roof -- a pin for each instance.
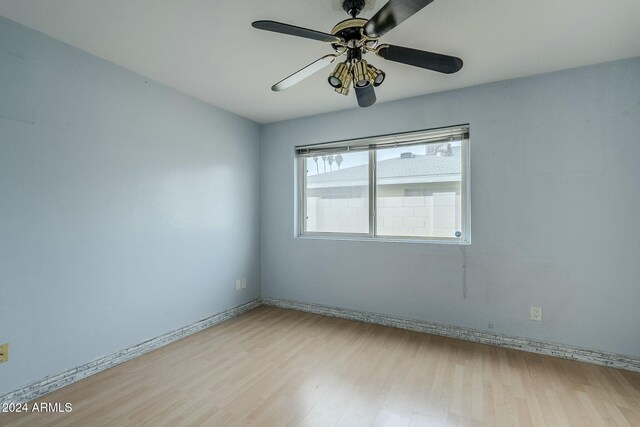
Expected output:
(430, 168)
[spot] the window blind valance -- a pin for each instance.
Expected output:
(432, 136)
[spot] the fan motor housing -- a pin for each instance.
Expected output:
(349, 29)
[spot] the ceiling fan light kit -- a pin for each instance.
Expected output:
(355, 37)
(341, 76)
(361, 74)
(376, 76)
(342, 90)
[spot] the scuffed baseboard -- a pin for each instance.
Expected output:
(54, 382)
(611, 360)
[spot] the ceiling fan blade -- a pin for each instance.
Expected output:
(420, 58)
(366, 96)
(391, 15)
(292, 30)
(303, 73)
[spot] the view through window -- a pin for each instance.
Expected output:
(337, 196)
(419, 193)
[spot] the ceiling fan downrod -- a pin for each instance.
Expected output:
(353, 7)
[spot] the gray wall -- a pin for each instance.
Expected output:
(555, 184)
(127, 209)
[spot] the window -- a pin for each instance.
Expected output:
(411, 186)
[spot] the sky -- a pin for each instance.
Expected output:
(362, 157)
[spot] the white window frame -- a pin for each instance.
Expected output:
(372, 144)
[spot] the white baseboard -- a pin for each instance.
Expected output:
(612, 360)
(54, 382)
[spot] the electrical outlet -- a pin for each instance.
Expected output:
(238, 284)
(244, 283)
(536, 313)
(4, 353)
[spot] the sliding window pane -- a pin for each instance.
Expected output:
(337, 193)
(418, 191)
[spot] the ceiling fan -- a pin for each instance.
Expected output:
(354, 37)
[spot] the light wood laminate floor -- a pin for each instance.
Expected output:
(278, 367)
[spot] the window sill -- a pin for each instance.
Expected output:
(383, 239)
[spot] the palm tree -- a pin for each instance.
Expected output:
(330, 158)
(315, 159)
(338, 160)
(324, 161)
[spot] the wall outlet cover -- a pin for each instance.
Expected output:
(4, 353)
(244, 283)
(536, 313)
(238, 285)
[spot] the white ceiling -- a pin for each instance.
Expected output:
(208, 49)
